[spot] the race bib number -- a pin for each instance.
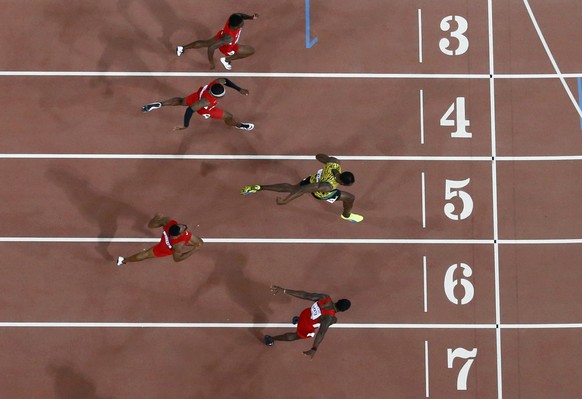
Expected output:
(318, 175)
(315, 311)
(331, 200)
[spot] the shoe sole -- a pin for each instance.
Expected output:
(225, 63)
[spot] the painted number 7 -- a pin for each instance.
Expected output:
(464, 372)
(452, 190)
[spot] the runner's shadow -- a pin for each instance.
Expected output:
(169, 20)
(97, 207)
(70, 384)
(229, 271)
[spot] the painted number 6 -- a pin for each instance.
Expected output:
(452, 190)
(463, 42)
(450, 283)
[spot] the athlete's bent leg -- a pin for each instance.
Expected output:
(142, 255)
(198, 44)
(348, 202)
(174, 101)
(286, 337)
(244, 51)
(281, 187)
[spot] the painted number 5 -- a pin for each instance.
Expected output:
(452, 190)
(464, 372)
(462, 41)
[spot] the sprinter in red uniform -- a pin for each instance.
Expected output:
(176, 240)
(204, 101)
(226, 40)
(318, 317)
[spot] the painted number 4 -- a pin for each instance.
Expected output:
(460, 121)
(464, 372)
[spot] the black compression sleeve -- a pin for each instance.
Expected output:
(187, 116)
(230, 84)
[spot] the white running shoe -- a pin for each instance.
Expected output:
(246, 126)
(179, 50)
(120, 261)
(150, 107)
(226, 63)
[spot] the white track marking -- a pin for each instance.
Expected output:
(423, 199)
(360, 241)
(425, 283)
(292, 75)
(421, 95)
(551, 57)
(426, 373)
(420, 35)
(340, 326)
(250, 157)
(494, 200)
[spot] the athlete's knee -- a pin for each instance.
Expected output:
(347, 197)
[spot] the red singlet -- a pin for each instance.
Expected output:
(310, 317)
(164, 247)
(232, 47)
(211, 110)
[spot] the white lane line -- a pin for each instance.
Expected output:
(250, 157)
(551, 57)
(373, 326)
(256, 240)
(361, 241)
(421, 116)
(425, 283)
(494, 201)
(251, 75)
(426, 373)
(423, 198)
(420, 35)
(291, 75)
(344, 326)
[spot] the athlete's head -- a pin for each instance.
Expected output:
(236, 21)
(217, 90)
(177, 229)
(347, 178)
(342, 305)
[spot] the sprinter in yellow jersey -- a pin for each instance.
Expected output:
(322, 185)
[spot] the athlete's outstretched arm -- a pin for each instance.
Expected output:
(325, 322)
(298, 294)
(225, 39)
(246, 16)
(326, 158)
(158, 221)
(232, 85)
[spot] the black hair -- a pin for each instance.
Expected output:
(342, 305)
(347, 178)
(174, 230)
(217, 90)
(235, 20)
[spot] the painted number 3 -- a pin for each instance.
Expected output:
(458, 34)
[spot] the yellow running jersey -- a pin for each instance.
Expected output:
(325, 175)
